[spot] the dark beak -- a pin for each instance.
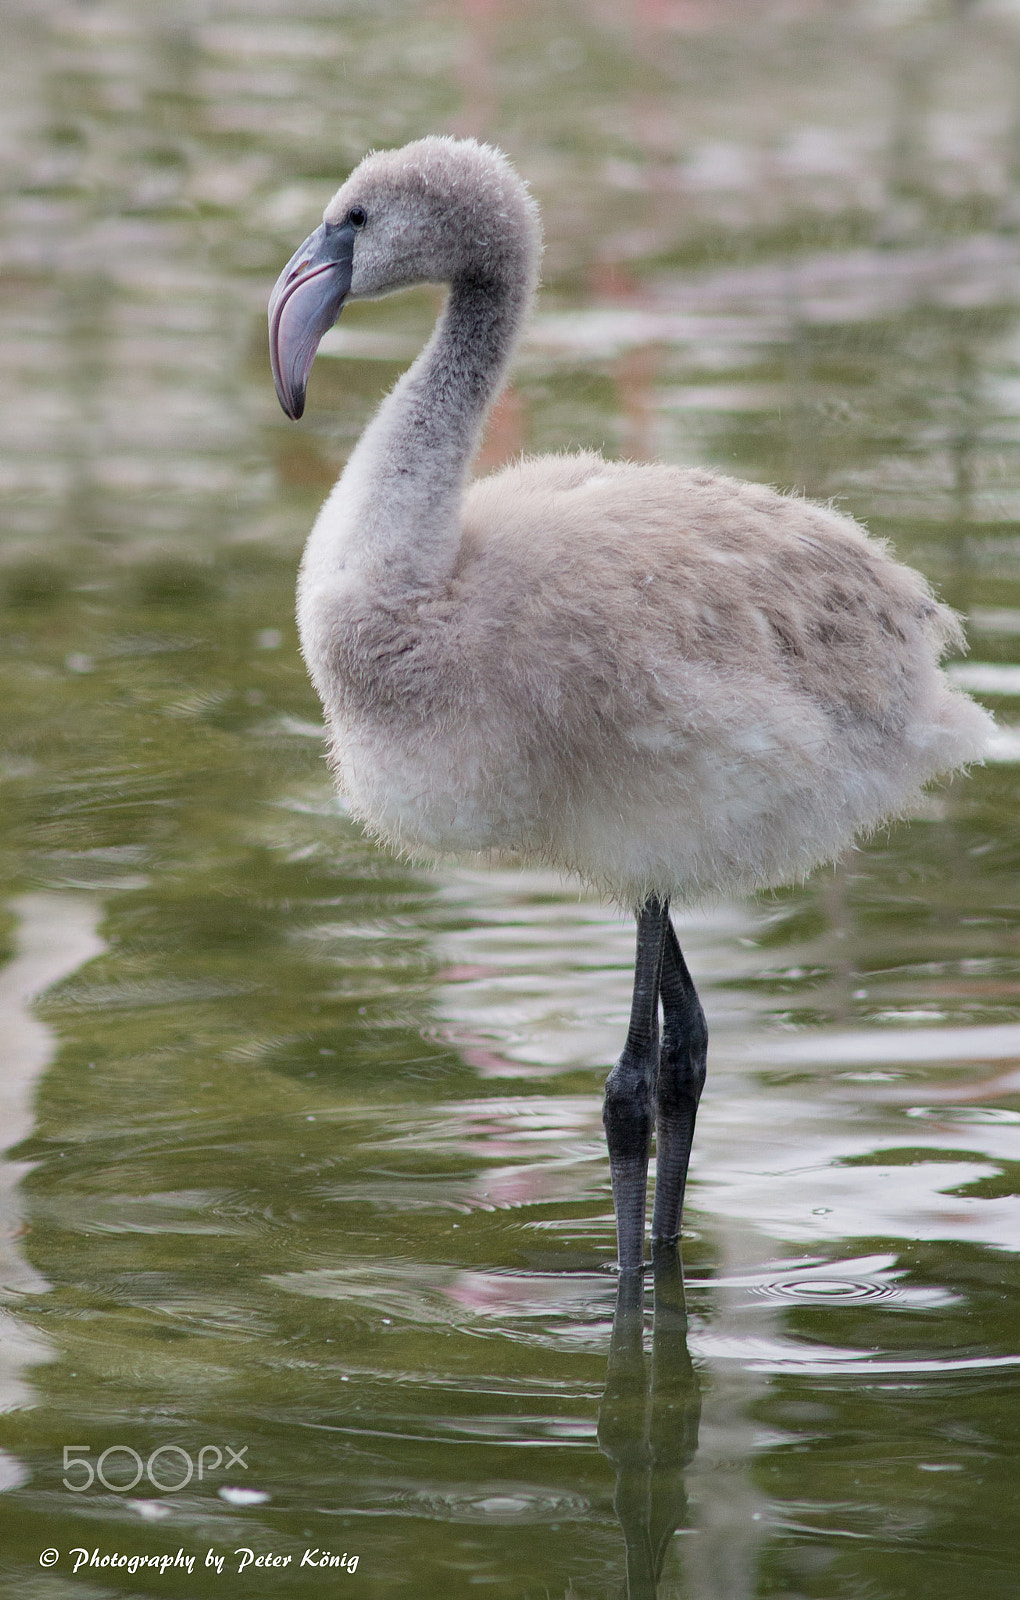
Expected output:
(307, 299)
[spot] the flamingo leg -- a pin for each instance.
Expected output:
(628, 1114)
(680, 1081)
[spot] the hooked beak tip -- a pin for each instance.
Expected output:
(306, 300)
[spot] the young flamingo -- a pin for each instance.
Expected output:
(666, 682)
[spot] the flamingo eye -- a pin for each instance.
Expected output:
(357, 216)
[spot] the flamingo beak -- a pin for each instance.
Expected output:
(306, 300)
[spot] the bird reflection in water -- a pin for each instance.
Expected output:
(649, 1417)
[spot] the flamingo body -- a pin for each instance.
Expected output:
(662, 680)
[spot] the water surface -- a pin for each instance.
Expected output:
(302, 1152)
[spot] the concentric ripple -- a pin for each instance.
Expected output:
(814, 1282)
(825, 1291)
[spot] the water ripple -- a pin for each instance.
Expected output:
(497, 1502)
(825, 1291)
(772, 1353)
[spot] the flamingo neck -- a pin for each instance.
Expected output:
(392, 523)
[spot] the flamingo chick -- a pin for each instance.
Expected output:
(664, 681)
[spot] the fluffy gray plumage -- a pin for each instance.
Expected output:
(662, 680)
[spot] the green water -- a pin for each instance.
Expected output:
(302, 1151)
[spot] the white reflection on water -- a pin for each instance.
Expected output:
(986, 677)
(784, 1355)
(888, 1046)
(539, 981)
(56, 933)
